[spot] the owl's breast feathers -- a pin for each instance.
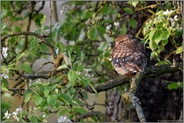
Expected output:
(128, 55)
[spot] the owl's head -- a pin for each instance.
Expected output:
(123, 38)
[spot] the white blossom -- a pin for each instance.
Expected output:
(15, 117)
(5, 76)
(63, 119)
(108, 27)
(6, 115)
(57, 50)
(167, 12)
(87, 70)
(4, 52)
(116, 24)
(19, 110)
(61, 12)
(176, 17)
(44, 115)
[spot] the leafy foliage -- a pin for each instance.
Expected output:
(87, 31)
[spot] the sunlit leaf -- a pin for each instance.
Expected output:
(106, 9)
(52, 100)
(33, 119)
(157, 36)
(179, 50)
(133, 23)
(40, 101)
(48, 89)
(86, 14)
(72, 76)
(28, 96)
(123, 29)
(62, 112)
(172, 86)
(165, 34)
(92, 33)
(65, 98)
(39, 19)
(36, 84)
(18, 57)
(79, 110)
(128, 10)
(26, 67)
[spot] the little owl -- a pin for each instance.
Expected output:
(128, 55)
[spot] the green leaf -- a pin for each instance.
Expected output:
(43, 19)
(164, 42)
(64, 66)
(20, 56)
(123, 29)
(101, 29)
(39, 101)
(28, 96)
(62, 112)
(172, 86)
(79, 110)
(26, 68)
(134, 3)
(77, 101)
(12, 41)
(92, 33)
(38, 84)
(179, 50)
(151, 34)
(52, 100)
(5, 82)
(106, 10)
(72, 76)
(65, 98)
(48, 89)
(152, 43)
(133, 23)
(165, 34)
(4, 85)
(103, 46)
(128, 10)
(157, 36)
(39, 19)
(165, 62)
(86, 14)
(43, 47)
(78, 67)
(33, 119)
(93, 88)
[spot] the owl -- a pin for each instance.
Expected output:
(128, 55)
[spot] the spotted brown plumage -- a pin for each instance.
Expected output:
(128, 55)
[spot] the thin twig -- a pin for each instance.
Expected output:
(42, 38)
(51, 19)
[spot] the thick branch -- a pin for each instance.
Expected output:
(88, 114)
(149, 72)
(108, 85)
(42, 38)
(130, 97)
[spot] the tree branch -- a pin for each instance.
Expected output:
(86, 115)
(149, 72)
